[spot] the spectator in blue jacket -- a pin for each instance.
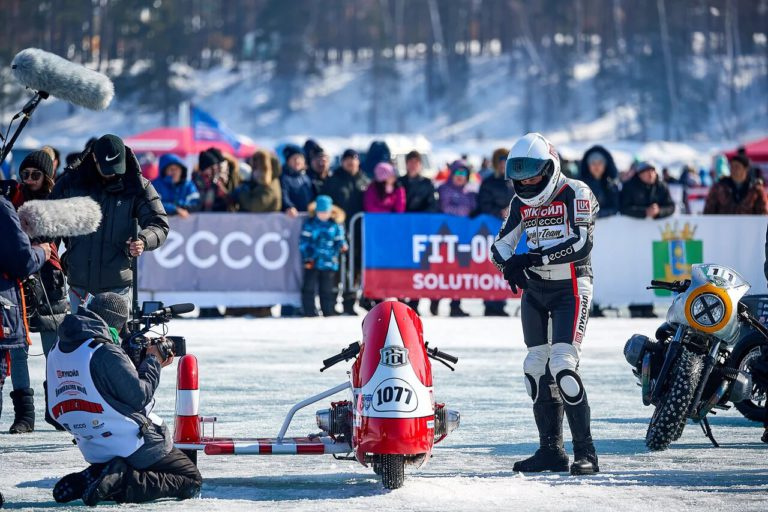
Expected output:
(321, 244)
(598, 170)
(296, 186)
(179, 195)
(18, 260)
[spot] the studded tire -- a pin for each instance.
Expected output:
(392, 471)
(670, 416)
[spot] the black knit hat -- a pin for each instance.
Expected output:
(290, 150)
(111, 307)
(206, 160)
(217, 154)
(742, 159)
(38, 160)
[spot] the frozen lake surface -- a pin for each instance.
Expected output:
(253, 370)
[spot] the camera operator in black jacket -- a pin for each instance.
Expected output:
(109, 173)
(105, 402)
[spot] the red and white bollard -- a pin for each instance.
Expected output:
(188, 428)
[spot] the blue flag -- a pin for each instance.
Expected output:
(207, 127)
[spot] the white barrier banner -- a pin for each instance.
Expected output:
(628, 253)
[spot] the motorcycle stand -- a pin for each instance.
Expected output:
(705, 427)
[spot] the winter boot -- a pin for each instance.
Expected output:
(456, 310)
(72, 486)
(550, 456)
(48, 418)
(584, 456)
(24, 411)
(108, 485)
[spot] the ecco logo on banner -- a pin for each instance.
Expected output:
(175, 249)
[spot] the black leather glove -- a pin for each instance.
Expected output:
(515, 266)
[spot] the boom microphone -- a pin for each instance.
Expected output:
(47, 72)
(176, 309)
(54, 218)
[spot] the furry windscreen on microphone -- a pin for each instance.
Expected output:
(55, 218)
(44, 71)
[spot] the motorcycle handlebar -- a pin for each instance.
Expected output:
(345, 355)
(442, 355)
(675, 286)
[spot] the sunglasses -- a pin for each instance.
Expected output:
(33, 175)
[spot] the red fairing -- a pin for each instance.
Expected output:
(407, 436)
(375, 328)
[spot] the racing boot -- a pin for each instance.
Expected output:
(24, 411)
(584, 456)
(550, 456)
(72, 486)
(108, 485)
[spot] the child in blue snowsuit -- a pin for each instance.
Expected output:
(322, 242)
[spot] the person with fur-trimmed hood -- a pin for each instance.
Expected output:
(45, 291)
(598, 170)
(321, 244)
(262, 193)
(179, 195)
(109, 173)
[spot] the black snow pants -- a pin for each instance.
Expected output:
(326, 281)
(173, 476)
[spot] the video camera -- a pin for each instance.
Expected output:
(153, 314)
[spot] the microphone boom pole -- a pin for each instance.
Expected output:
(25, 113)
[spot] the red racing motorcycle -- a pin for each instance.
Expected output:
(390, 419)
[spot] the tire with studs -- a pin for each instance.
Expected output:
(392, 471)
(670, 416)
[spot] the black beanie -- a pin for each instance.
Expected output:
(206, 160)
(38, 160)
(217, 154)
(111, 307)
(290, 150)
(742, 159)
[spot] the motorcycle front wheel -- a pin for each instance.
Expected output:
(747, 350)
(668, 420)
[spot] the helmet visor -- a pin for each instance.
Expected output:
(524, 168)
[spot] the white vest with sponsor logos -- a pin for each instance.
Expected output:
(101, 432)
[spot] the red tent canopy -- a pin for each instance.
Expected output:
(757, 151)
(181, 142)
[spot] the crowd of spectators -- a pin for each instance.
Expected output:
(292, 182)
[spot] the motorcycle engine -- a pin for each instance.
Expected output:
(741, 388)
(635, 348)
(337, 419)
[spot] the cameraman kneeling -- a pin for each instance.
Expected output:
(98, 395)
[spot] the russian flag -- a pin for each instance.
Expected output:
(206, 127)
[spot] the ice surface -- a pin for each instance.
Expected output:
(252, 371)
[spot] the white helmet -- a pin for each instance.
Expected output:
(531, 156)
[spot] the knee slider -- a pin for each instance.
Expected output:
(534, 366)
(564, 364)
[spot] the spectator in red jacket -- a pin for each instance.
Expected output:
(385, 195)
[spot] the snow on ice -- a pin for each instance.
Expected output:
(253, 370)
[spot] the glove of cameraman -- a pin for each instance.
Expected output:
(515, 267)
(162, 349)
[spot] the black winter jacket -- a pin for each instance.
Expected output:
(636, 197)
(100, 261)
(494, 195)
(606, 189)
(125, 388)
(347, 191)
(419, 194)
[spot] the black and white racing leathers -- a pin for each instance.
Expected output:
(560, 289)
